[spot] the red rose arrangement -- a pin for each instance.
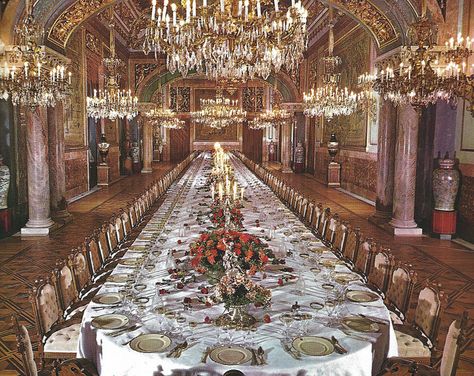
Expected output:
(218, 215)
(208, 251)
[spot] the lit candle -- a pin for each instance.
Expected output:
(222, 6)
(153, 9)
(188, 10)
(276, 5)
(242, 193)
(173, 9)
(235, 192)
(204, 3)
(194, 8)
(212, 192)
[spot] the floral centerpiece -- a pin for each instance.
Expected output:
(218, 215)
(250, 253)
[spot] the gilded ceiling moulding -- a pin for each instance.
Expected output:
(373, 18)
(72, 17)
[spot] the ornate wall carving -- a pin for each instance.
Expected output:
(180, 99)
(72, 17)
(142, 71)
(253, 99)
(93, 43)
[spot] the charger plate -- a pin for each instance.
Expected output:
(110, 321)
(119, 278)
(360, 324)
(230, 355)
(107, 298)
(313, 346)
(360, 296)
(150, 343)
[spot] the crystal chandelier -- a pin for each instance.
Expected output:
(276, 115)
(427, 72)
(112, 102)
(257, 123)
(228, 38)
(219, 113)
(33, 77)
(330, 99)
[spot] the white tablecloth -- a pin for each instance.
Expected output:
(182, 202)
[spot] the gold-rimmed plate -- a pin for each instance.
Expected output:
(345, 277)
(107, 298)
(129, 261)
(361, 296)
(313, 346)
(360, 324)
(230, 355)
(119, 278)
(150, 343)
(110, 321)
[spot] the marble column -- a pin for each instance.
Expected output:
(147, 147)
(286, 148)
(385, 161)
(57, 170)
(39, 220)
(403, 221)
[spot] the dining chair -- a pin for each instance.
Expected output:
(79, 262)
(363, 261)
(318, 211)
(58, 337)
(93, 254)
(112, 237)
(24, 347)
(399, 292)
(309, 213)
(418, 339)
(331, 222)
(381, 271)
(323, 223)
(339, 239)
(457, 341)
(67, 291)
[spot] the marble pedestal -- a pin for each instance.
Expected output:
(103, 175)
(334, 174)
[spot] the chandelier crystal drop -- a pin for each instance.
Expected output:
(426, 72)
(330, 99)
(30, 75)
(219, 113)
(112, 102)
(227, 38)
(273, 117)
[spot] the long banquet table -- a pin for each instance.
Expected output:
(175, 225)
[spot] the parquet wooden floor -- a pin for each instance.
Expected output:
(22, 260)
(440, 261)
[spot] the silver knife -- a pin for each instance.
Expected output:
(337, 345)
(205, 355)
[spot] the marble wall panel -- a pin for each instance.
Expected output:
(114, 163)
(466, 203)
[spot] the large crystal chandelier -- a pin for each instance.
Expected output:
(112, 102)
(219, 113)
(228, 38)
(32, 76)
(330, 99)
(425, 71)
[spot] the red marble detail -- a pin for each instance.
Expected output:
(444, 222)
(114, 163)
(76, 172)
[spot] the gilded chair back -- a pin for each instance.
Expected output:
(67, 290)
(323, 223)
(119, 229)
(364, 257)
(400, 289)
(45, 302)
(103, 242)
(93, 253)
(25, 348)
(331, 223)
(112, 236)
(381, 270)
(80, 267)
(456, 340)
(127, 225)
(428, 311)
(340, 232)
(309, 213)
(351, 244)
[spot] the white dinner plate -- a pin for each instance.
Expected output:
(107, 298)
(230, 355)
(313, 346)
(110, 321)
(150, 343)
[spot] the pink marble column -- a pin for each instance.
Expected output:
(385, 161)
(57, 170)
(39, 220)
(286, 148)
(403, 221)
(147, 147)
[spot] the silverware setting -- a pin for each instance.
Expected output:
(206, 354)
(337, 346)
(176, 352)
(124, 330)
(293, 352)
(373, 319)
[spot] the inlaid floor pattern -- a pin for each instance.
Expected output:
(24, 260)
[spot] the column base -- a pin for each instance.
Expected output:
(405, 228)
(37, 228)
(286, 170)
(146, 171)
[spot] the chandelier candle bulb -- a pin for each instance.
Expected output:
(153, 10)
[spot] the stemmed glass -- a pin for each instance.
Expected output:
(287, 319)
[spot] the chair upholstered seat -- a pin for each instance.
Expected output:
(411, 347)
(64, 340)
